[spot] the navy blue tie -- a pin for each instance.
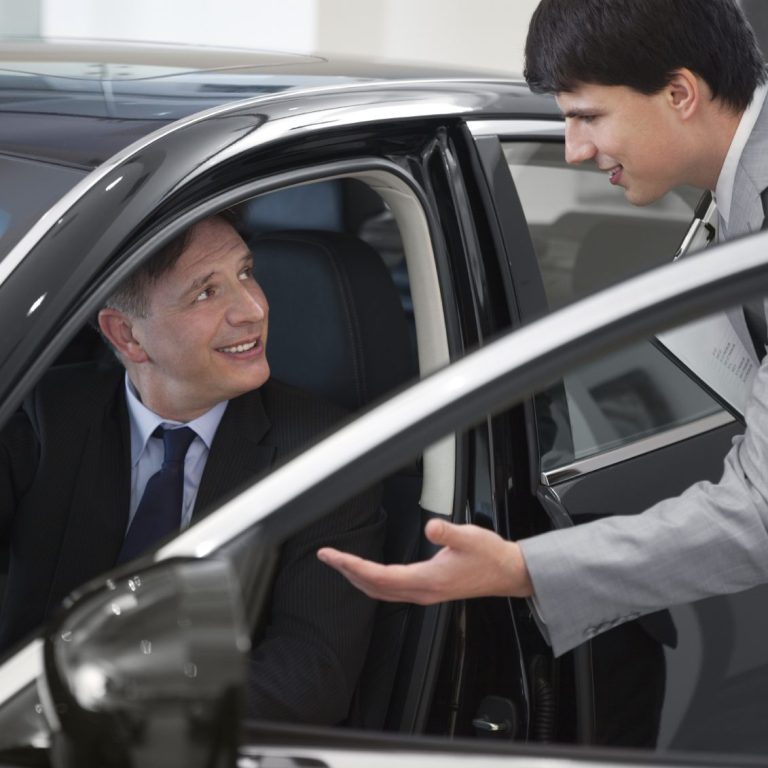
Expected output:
(159, 511)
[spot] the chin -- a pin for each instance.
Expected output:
(258, 379)
(641, 197)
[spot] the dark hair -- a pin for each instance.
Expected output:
(131, 297)
(640, 43)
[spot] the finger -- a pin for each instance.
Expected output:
(435, 531)
(363, 573)
(334, 557)
(446, 534)
(394, 583)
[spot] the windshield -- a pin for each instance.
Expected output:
(29, 189)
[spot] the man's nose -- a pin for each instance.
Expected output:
(578, 148)
(249, 305)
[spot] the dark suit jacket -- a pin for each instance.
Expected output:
(64, 495)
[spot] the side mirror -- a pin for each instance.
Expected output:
(149, 669)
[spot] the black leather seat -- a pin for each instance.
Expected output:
(338, 328)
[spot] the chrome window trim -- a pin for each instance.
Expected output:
(517, 128)
(255, 754)
(640, 447)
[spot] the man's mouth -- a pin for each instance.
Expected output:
(242, 348)
(614, 174)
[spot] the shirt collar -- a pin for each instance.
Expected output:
(144, 422)
(727, 177)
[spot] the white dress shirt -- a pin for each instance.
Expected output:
(147, 454)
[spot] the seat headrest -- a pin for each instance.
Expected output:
(336, 325)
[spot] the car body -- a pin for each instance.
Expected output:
(458, 187)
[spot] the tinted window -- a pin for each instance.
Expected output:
(586, 236)
(29, 189)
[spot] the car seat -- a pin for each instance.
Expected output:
(338, 329)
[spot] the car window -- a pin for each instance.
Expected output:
(586, 236)
(29, 188)
(348, 323)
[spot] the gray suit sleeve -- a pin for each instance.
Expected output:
(710, 540)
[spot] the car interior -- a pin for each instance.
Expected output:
(587, 237)
(355, 313)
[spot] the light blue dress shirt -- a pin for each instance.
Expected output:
(147, 453)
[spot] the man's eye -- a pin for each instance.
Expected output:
(246, 273)
(206, 293)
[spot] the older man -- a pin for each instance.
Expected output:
(103, 459)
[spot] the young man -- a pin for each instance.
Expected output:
(658, 93)
(79, 463)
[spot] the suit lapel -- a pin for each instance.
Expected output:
(237, 455)
(751, 179)
(99, 510)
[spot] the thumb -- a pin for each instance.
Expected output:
(443, 533)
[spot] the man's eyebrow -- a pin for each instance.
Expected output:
(581, 112)
(199, 282)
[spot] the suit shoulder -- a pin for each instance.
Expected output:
(72, 390)
(298, 410)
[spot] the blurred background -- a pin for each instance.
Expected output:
(471, 34)
(480, 34)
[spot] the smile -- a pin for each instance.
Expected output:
(614, 174)
(240, 348)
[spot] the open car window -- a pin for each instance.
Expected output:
(586, 236)
(355, 313)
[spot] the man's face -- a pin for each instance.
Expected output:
(205, 332)
(636, 139)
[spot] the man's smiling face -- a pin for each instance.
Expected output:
(635, 138)
(205, 332)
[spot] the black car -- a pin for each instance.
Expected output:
(420, 215)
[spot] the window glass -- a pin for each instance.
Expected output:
(586, 236)
(29, 188)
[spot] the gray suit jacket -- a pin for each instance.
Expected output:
(713, 539)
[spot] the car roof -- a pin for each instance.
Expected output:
(80, 102)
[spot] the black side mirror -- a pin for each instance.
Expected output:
(149, 670)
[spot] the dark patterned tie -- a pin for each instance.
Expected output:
(159, 511)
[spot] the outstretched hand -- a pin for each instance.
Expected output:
(473, 562)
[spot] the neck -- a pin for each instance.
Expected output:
(722, 128)
(166, 405)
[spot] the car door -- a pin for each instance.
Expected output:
(407, 171)
(629, 429)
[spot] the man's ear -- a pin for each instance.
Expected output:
(117, 328)
(684, 92)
